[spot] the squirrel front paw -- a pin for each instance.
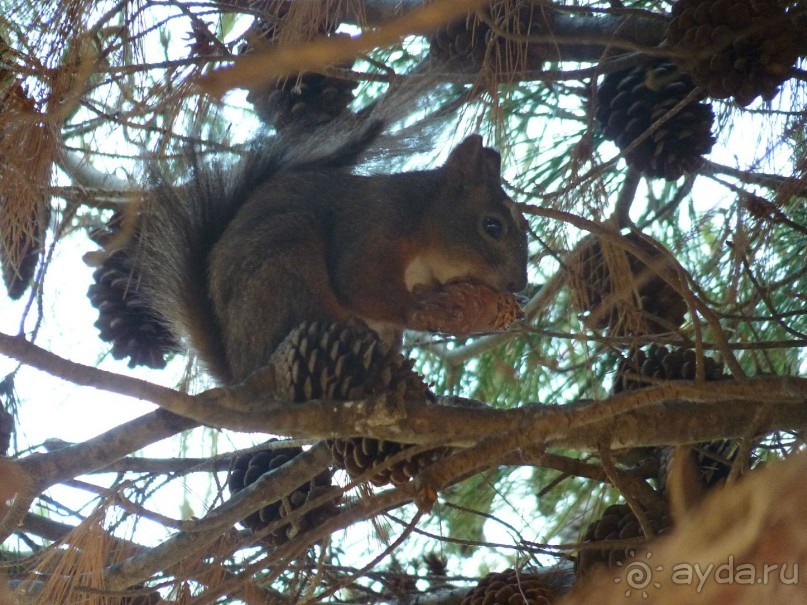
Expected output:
(461, 308)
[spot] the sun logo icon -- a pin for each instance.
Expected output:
(638, 575)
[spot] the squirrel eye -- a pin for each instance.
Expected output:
(493, 227)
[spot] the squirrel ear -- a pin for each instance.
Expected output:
(470, 158)
(493, 161)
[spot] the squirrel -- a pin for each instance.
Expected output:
(236, 258)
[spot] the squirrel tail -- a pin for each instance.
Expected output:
(178, 225)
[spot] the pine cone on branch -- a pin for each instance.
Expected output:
(302, 100)
(496, 36)
(248, 468)
(340, 361)
(621, 292)
(735, 48)
(131, 327)
(713, 460)
(662, 363)
(617, 522)
(346, 362)
(514, 587)
(360, 455)
(632, 101)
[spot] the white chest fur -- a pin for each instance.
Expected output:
(429, 268)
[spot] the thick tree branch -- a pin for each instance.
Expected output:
(576, 37)
(245, 407)
(28, 353)
(97, 453)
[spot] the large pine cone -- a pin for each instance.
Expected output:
(512, 587)
(612, 302)
(248, 468)
(302, 100)
(470, 40)
(616, 523)
(735, 48)
(631, 101)
(132, 328)
(342, 362)
(346, 362)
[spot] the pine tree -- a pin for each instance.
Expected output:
(659, 152)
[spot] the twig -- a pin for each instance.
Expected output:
(262, 67)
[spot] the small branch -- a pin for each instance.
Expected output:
(83, 173)
(771, 181)
(160, 466)
(97, 453)
(245, 407)
(141, 567)
(262, 67)
(626, 197)
(604, 424)
(30, 354)
(45, 470)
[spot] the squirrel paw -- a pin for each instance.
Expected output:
(462, 308)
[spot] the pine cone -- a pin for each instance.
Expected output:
(761, 208)
(359, 455)
(471, 41)
(462, 308)
(342, 362)
(616, 523)
(248, 468)
(735, 48)
(346, 362)
(20, 256)
(662, 363)
(612, 302)
(462, 38)
(512, 587)
(306, 99)
(631, 101)
(132, 328)
(134, 331)
(714, 458)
